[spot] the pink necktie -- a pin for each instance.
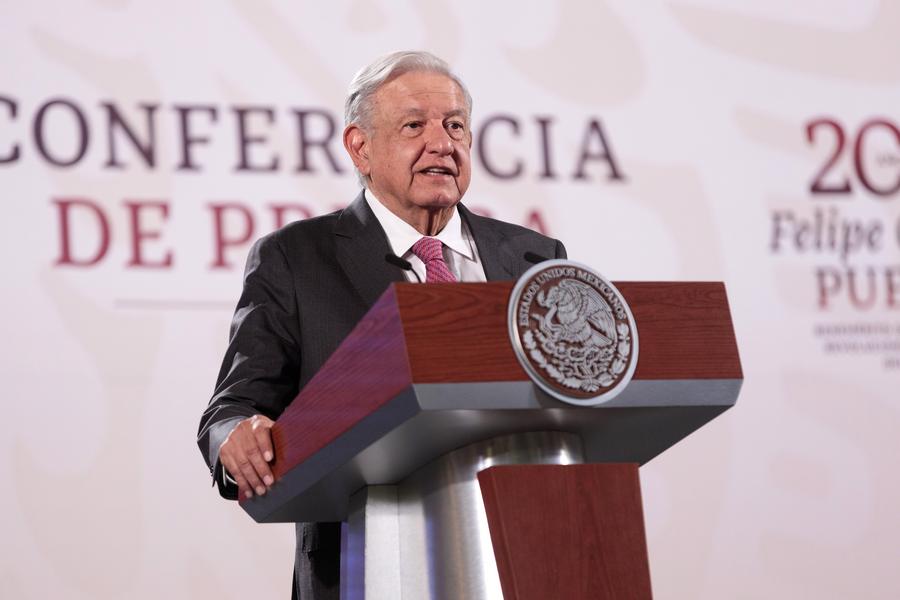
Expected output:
(430, 251)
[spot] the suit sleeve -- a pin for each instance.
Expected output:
(260, 371)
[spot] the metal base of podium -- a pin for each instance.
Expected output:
(427, 537)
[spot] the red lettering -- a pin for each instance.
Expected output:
(223, 239)
(892, 276)
(858, 301)
(65, 206)
(828, 281)
(140, 233)
(818, 185)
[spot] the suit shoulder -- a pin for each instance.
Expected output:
(513, 239)
(301, 232)
(307, 227)
(511, 230)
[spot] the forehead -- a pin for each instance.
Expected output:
(420, 91)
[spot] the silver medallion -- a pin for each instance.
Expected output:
(573, 332)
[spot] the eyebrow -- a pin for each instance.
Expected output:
(417, 112)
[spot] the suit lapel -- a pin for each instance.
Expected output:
(492, 247)
(361, 246)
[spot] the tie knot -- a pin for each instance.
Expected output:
(428, 249)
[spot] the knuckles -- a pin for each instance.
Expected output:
(259, 422)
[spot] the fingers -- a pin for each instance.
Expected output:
(246, 453)
(248, 470)
(261, 428)
(235, 472)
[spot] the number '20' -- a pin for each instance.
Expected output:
(819, 184)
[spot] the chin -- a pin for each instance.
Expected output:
(443, 201)
(438, 199)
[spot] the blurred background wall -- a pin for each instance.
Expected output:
(144, 145)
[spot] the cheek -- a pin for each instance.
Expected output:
(402, 164)
(464, 164)
(462, 156)
(392, 169)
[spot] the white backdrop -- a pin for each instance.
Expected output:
(754, 143)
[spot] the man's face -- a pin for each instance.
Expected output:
(416, 148)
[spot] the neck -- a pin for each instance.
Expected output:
(430, 221)
(427, 220)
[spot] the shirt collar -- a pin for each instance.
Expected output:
(401, 235)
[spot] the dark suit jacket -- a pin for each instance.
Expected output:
(305, 287)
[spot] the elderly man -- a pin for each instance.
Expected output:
(408, 132)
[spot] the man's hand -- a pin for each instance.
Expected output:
(247, 452)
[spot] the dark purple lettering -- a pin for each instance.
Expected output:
(12, 105)
(187, 138)
(305, 141)
(146, 148)
(245, 140)
(82, 137)
(595, 130)
(481, 145)
(546, 163)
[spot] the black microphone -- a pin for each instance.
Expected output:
(534, 258)
(403, 264)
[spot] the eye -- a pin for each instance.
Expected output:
(456, 128)
(412, 129)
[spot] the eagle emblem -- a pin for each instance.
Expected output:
(573, 332)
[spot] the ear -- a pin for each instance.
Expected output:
(356, 142)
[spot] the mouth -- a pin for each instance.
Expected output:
(438, 172)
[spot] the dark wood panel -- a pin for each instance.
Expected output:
(458, 332)
(573, 532)
(685, 330)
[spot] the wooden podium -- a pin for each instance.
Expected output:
(456, 477)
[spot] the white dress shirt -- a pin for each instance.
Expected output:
(460, 252)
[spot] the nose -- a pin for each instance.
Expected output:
(437, 140)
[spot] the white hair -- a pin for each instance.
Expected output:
(358, 107)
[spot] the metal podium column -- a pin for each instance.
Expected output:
(427, 537)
